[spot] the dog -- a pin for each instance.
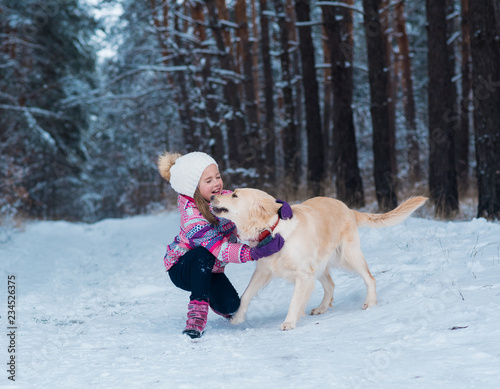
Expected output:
(322, 234)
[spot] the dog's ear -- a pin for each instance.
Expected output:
(259, 209)
(264, 208)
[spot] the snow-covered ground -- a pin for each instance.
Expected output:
(95, 308)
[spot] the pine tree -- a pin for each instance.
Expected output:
(315, 158)
(268, 125)
(245, 58)
(47, 59)
(463, 131)
(338, 26)
(383, 137)
(442, 100)
(485, 48)
(413, 148)
(291, 140)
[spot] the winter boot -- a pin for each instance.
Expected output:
(197, 318)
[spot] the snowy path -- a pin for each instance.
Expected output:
(96, 309)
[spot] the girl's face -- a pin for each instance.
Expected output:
(210, 182)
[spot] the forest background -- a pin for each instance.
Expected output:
(371, 100)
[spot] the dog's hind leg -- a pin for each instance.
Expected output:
(328, 287)
(304, 285)
(259, 278)
(354, 259)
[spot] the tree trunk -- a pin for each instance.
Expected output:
(298, 93)
(215, 144)
(327, 106)
(496, 5)
(383, 145)
(291, 143)
(177, 80)
(462, 135)
(269, 135)
(315, 160)
(391, 66)
(223, 14)
(237, 150)
(413, 149)
(338, 26)
(442, 99)
(245, 53)
(485, 48)
(255, 50)
(191, 131)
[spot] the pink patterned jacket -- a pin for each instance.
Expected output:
(196, 231)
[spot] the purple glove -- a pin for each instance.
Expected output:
(285, 212)
(267, 247)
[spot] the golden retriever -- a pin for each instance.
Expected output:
(323, 233)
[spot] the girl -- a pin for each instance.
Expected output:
(196, 258)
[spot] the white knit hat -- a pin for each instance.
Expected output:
(186, 172)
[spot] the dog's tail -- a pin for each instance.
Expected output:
(391, 218)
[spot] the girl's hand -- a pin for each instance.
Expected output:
(269, 246)
(285, 212)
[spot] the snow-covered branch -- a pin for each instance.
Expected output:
(311, 23)
(33, 111)
(113, 97)
(338, 4)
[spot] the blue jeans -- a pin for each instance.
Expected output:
(193, 272)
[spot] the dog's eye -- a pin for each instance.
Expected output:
(234, 195)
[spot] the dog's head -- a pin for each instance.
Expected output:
(250, 209)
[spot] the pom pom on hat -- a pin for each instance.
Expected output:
(184, 172)
(165, 162)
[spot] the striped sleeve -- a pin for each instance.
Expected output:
(202, 233)
(234, 252)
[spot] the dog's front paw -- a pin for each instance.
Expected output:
(318, 311)
(369, 304)
(286, 326)
(237, 319)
